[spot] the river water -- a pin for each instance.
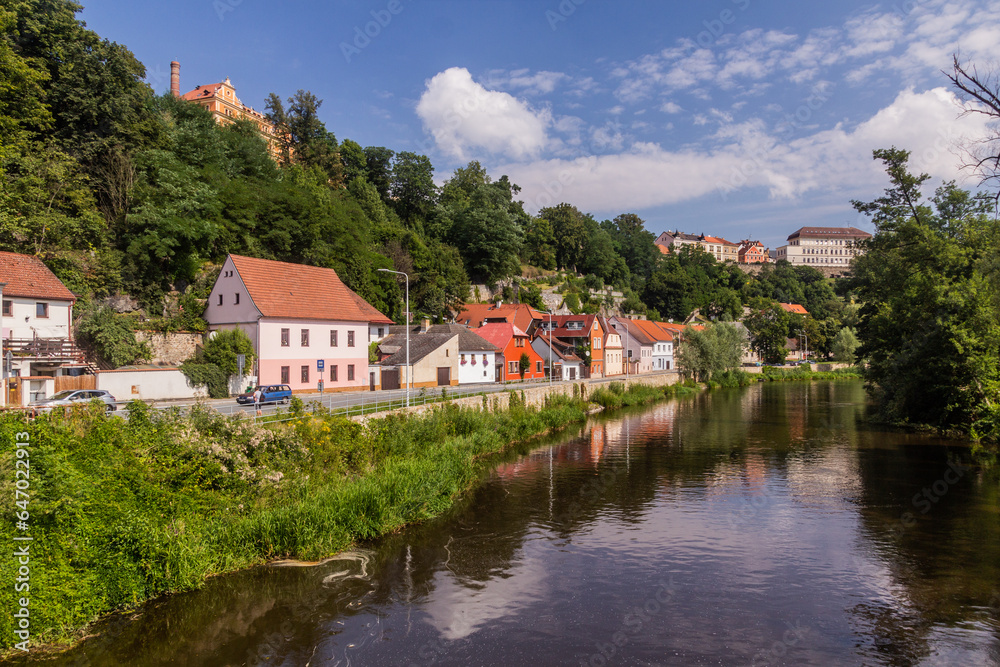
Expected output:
(753, 526)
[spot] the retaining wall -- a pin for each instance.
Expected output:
(535, 394)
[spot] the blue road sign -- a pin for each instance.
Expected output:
(319, 364)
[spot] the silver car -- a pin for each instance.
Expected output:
(72, 397)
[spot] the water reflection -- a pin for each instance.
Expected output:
(757, 525)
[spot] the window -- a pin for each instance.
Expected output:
(333, 338)
(285, 335)
(463, 359)
(41, 309)
(284, 374)
(220, 299)
(237, 300)
(350, 339)
(350, 372)
(512, 367)
(8, 307)
(538, 367)
(333, 373)
(597, 343)
(381, 332)
(305, 337)
(305, 374)
(484, 360)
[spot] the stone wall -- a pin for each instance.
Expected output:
(173, 347)
(535, 394)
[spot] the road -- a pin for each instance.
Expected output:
(368, 401)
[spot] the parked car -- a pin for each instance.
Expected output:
(70, 397)
(273, 393)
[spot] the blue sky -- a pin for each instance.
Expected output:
(737, 118)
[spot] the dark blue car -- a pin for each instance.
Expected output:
(271, 393)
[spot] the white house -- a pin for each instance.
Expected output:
(566, 365)
(305, 324)
(36, 321)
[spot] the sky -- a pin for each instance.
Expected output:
(733, 118)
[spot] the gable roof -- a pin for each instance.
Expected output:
(718, 239)
(794, 308)
(633, 329)
(420, 346)
(499, 333)
(468, 340)
(26, 276)
(519, 314)
(653, 330)
(562, 350)
(830, 233)
(298, 291)
(561, 322)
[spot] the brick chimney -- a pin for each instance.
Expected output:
(424, 325)
(175, 78)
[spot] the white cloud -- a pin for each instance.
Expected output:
(747, 155)
(462, 115)
(671, 107)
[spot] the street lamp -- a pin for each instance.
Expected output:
(550, 349)
(409, 369)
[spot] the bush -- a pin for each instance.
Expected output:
(112, 337)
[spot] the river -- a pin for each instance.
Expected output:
(738, 527)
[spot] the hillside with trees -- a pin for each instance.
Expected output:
(134, 199)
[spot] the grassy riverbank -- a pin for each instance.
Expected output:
(122, 511)
(741, 378)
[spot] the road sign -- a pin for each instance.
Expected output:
(241, 360)
(320, 363)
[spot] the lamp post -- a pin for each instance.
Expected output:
(628, 353)
(551, 369)
(409, 369)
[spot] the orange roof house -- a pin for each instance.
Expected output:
(306, 325)
(793, 308)
(512, 343)
(523, 316)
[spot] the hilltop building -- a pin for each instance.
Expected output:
(221, 100)
(823, 246)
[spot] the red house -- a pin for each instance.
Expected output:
(512, 343)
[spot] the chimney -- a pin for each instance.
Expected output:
(175, 78)
(424, 325)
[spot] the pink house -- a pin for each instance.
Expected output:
(305, 323)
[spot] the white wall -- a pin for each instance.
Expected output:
(228, 286)
(471, 373)
(23, 323)
(148, 384)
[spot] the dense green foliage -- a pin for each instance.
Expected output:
(111, 337)
(121, 191)
(930, 319)
(124, 510)
(714, 349)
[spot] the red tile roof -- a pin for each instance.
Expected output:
(26, 276)
(297, 291)
(561, 330)
(499, 333)
(718, 239)
(519, 314)
(202, 92)
(663, 249)
(793, 308)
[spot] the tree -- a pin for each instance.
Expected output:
(930, 320)
(222, 348)
(523, 364)
(412, 191)
(844, 345)
(983, 91)
(767, 324)
(570, 232)
(112, 337)
(304, 137)
(716, 348)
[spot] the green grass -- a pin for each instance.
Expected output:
(125, 510)
(741, 378)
